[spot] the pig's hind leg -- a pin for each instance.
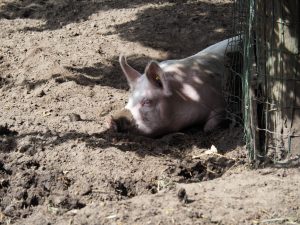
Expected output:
(214, 121)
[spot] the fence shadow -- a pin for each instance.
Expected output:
(61, 12)
(105, 75)
(175, 145)
(181, 29)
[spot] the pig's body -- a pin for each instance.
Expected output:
(175, 94)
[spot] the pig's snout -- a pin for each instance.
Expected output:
(121, 122)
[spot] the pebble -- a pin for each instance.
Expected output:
(182, 196)
(74, 117)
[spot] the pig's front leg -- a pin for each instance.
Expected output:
(215, 118)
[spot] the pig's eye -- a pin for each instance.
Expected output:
(146, 102)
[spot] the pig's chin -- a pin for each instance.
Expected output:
(123, 125)
(152, 132)
(139, 129)
(145, 131)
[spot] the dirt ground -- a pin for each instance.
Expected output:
(60, 79)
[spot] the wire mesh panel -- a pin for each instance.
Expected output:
(232, 82)
(270, 77)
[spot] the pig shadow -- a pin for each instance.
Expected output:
(104, 75)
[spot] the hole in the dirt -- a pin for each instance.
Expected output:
(219, 165)
(24, 205)
(24, 216)
(32, 165)
(56, 75)
(196, 171)
(34, 201)
(124, 188)
(211, 168)
(4, 170)
(80, 205)
(24, 195)
(3, 81)
(4, 184)
(121, 189)
(152, 188)
(72, 204)
(29, 181)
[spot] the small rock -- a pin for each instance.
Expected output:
(86, 189)
(74, 117)
(25, 148)
(66, 202)
(39, 93)
(182, 196)
(9, 210)
(74, 34)
(214, 149)
(68, 27)
(57, 200)
(93, 24)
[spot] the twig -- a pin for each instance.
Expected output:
(217, 154)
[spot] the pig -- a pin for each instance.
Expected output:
(175, 94)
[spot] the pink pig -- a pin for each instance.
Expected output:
(175, 94)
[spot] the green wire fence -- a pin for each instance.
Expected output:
(263, 90)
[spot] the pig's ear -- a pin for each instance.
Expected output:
(156, 76)
(131, 74)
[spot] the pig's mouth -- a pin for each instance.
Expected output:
(122, 121)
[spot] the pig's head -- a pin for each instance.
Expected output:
(148, 101)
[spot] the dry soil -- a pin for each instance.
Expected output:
(60, 79)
